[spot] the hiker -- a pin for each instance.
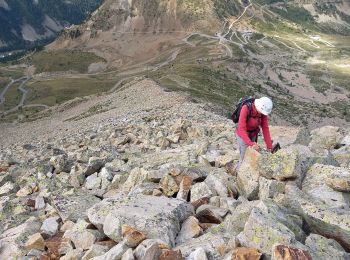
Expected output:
(253, 115)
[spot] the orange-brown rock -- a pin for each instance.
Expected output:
(132, 236)
(53, 245)
(171, 255)
(282, 252)
(245, 253)
(35, 241)
(4, 168)
(196, 204)
(185, 187)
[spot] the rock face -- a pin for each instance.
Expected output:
(158, 217)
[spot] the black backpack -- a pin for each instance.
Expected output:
(243, 101)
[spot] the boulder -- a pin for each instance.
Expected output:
(331, 223)
(324, 248)
(184, 188)
(200, 190)
(281, 165)
(157, 217)
(93, 182)
(132, 237)
(149, 249)
(210, 214)
(269, 224)
(167, 254)
(248, 175)
(12, 241)
(60, 163)
(214, 246)
(221, 183)
(198, 254)
(50, 226)
(168, 185)
(324, 138)
(74, 206)
(319, 181)
(137, 176)
(245, 253)
(114, 253)
(283, 252)
(189, 229)
(35, 241)
(95, 250)
(269, 189)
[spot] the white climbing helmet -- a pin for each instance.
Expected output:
(263, 105)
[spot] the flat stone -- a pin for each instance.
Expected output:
(157, 217)
(74, 206)
(210, 214)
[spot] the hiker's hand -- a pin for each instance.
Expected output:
(256, 147)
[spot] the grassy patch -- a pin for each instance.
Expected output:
(11, 73)
(12, 97)
(63, 60)
(57, 91)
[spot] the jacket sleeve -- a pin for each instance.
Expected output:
(266, 132)
(242, 131)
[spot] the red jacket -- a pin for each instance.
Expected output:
(249, 127)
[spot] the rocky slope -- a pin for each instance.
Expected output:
(159, 183)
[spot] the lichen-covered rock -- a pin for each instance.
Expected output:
(324, 248)
(189, 229)
(198, 254)
(93, 182)
(12, 241)
(283, 252)
(200, 190)
(222, 183)
(136, 177)
(168, 185)
(115, 252)
(332, 223)
(74, 206)
(214, 246)
(269, 224)
(324, 138)
(157, 217)
(94, 250)
(321, 179)
(268, 188)
(59, 163)
(280, 166)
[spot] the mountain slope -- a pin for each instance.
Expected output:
(27, 23)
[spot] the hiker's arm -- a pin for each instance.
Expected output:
(266, 132)
(242, 131)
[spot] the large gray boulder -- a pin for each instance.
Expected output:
(209, 242)
(269, 224)
(324, 138)
(321, 182)
(281, 165)
(248, 175)
(331, 223)
(157, 217)
(324, 248)
(74, 206)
